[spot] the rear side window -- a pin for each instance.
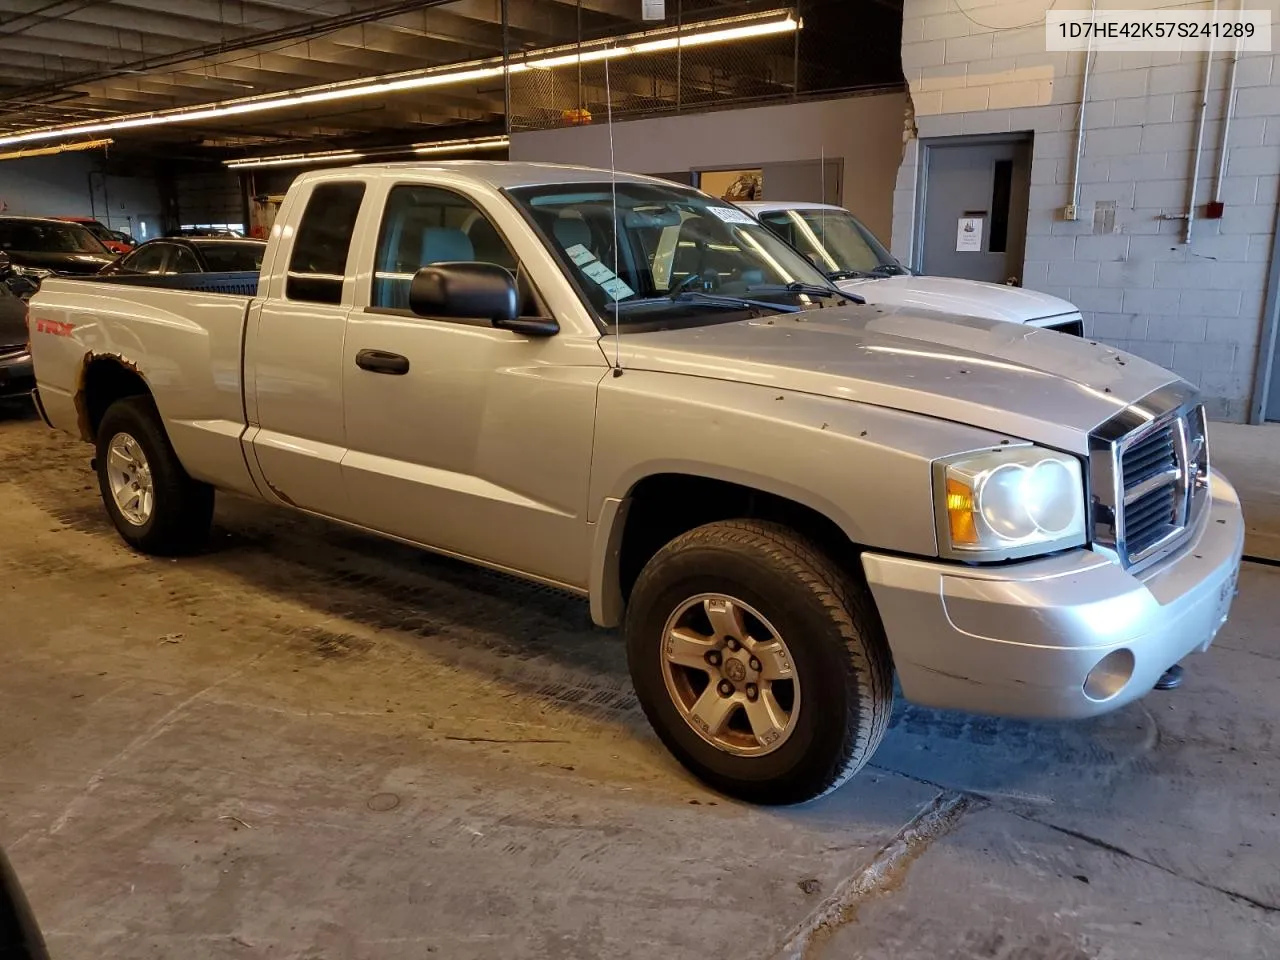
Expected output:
(149, 259)
(183, 261)
(318, 264)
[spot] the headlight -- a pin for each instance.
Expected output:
(1011, 503)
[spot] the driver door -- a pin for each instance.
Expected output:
(468, 439)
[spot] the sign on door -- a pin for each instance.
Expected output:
(969, 235)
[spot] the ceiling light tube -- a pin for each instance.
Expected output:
(60, 148)
(339, 156)
(459, 146)
(716, 31)
(295, 159)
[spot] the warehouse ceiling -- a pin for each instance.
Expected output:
(64, 61)
(86, 61)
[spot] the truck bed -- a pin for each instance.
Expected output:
(186, 344)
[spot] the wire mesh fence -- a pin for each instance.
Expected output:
(773, 67)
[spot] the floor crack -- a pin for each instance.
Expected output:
(1129, 855)
(994, 801)
(885, 871)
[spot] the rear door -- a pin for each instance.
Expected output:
(296, 351)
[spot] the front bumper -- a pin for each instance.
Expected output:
(1021, 640)
(17, 375)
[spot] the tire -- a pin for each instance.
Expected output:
(841, 692)
(181, 509)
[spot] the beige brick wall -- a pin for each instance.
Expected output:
(980, 67)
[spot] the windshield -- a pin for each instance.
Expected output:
(681, 258)
(98, 230)
(835, 241)
(41, 236)
(229, 257)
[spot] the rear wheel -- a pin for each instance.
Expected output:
(760, 663)
(156, 507)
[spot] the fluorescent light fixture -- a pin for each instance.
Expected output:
(462, 146)
(61, 148)
(698, 39)
(341, 156)
(291, 159)
(694, 35)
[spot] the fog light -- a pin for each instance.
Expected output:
(1110, 675)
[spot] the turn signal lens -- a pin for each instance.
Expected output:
(960, 510)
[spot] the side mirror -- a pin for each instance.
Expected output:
(474, 291)
(465, 291)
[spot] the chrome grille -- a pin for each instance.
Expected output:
(1149, 471)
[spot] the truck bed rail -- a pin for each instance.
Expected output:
(241, 283)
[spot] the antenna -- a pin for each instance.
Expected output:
(613, 185)
(822, 177)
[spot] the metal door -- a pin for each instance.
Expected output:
(976, 193)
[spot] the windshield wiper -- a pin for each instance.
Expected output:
(848, 274)
(811, 290)
(735, 303)
(890, 270)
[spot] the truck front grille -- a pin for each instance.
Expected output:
(1149, 471)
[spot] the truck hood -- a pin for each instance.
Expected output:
(970, 298)
(1026, 383)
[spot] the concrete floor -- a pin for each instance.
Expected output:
(310, 744)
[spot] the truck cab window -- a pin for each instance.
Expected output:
(318, 263)
(426, 225)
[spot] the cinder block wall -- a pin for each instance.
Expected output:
(980, 67)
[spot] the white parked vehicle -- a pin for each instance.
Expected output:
(839, 245)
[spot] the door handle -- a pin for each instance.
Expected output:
(379, 361)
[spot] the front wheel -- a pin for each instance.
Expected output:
(155, 506)
(761, 665)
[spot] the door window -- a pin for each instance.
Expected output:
(318, 264)
(425, 225)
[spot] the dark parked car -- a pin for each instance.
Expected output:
(39, 247)
(20, 937)
(16, 374)
(183, 255)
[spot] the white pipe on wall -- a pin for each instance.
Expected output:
(1200, 123)
(1226, 119)
(1084, 99)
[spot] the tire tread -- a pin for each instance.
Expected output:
(849, 605)
(183, 509)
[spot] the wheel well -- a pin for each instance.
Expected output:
(106, 380)
(664, 506)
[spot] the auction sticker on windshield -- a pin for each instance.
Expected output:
(732, 215)
(598, 273)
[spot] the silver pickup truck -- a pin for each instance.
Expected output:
(634, 392)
